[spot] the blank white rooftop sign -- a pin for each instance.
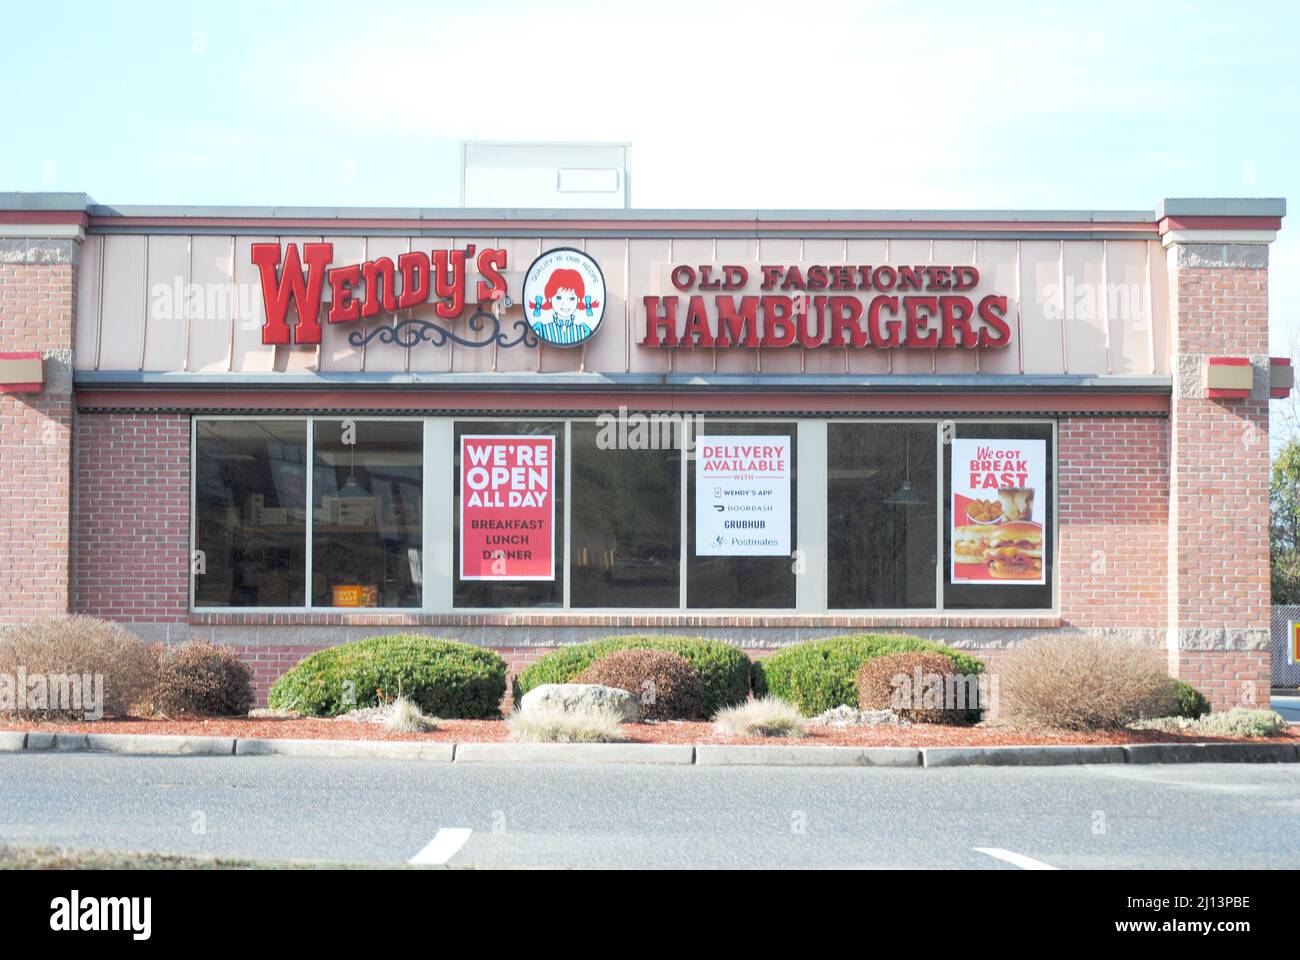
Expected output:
(544, 175)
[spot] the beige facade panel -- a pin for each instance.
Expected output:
(182, 303)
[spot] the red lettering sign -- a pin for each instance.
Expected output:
(366, 289)
(925, 306)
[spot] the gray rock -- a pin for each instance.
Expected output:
(846, 716)
(576, 696)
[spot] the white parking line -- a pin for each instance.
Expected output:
(444, 845)
(1019, 859)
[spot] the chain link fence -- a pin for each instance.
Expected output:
(1285, 673)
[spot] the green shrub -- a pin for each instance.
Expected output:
(912, 701)
(1181, 699)
(444, 678)
(200, 678)
(724, 668)
(664, 683)
(819, 675)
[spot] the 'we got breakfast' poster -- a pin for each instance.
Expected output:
(999, 492)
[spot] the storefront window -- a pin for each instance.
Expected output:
(367, 521)
(882, 511)
(920, 515)
(508, 539)
(726, 576)
(250, 533)
(1004, 552)
(626, 515)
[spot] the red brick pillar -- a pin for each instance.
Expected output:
(1219, 453)
(38, 272)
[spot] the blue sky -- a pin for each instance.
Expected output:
(808, 104)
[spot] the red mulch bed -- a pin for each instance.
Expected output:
(465, 731)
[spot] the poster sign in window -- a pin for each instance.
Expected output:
(742, 496)
(999, 504)
(507, 508)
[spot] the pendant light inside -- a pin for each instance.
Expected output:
(351, 488)
(906, 495)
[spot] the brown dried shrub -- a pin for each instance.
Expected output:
(199, 678)
(665, 683)
(891, 683)
(63, 647)
(1082, 682)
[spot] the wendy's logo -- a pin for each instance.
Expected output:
(564, 297)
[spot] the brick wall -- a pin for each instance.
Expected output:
(131, 517)
(1229, 678)
(36, 313)
(1219, 596)
(36, 300)
(1220, 495)
(1112, 478)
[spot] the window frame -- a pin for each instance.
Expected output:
(435, 524)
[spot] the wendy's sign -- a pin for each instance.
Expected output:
(364, 290)
(815, 305)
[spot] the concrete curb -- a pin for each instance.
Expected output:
(657, 753)
(1030, 756)
(757, 755)
(369, 749)
(1212, 753)
(160, 744)
(704, 755)
(143, 744)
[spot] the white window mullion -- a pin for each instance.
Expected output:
(311, 511)
(439, 563)
(688, 442)
(194, 470)
(811, 521)
(940, 571)
(568, 509)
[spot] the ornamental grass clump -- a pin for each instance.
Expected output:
(1082, 682)
(664, 683)
(764, 717)
(405, 716)
(550, 724)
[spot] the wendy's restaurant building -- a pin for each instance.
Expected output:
(283, 429)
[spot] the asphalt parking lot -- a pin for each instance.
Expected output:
(393, 812)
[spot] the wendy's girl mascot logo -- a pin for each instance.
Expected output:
(564, 297)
